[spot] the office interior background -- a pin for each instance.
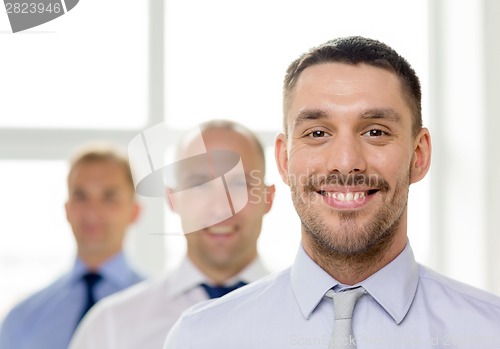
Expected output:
(111, 69)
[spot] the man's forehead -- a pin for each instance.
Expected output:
(220, 139)
(212, 153)
(212, 164)
(98, 172)
(326, 88)
(213, 138)
(97, 165)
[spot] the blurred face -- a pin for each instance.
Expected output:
(222, 211)
(350, 157)
(100, 208)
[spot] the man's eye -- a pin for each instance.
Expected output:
(317, 134)
(110, 197)
(375, 133)
(78, 196)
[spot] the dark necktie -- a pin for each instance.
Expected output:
(90, 280)
(219, 291)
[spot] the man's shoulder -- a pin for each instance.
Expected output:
(248, 298)
(458, 292)
(142, 309)
(148, 290)
(37, 301)
(223, 320)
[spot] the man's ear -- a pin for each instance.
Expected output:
(421, 156)
(66, 209)
(281, 155)
(170, 199)
(136, 211)
(269, 197)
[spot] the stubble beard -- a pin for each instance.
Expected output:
(350, 244)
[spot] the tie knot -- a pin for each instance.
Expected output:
(344, 301)
(91, 279)
(219, 291)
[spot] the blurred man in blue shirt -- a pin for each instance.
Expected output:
(101, 206)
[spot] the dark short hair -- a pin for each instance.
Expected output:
(356, 50)
(102, 152)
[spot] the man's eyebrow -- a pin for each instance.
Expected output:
(307, 115)
(382, 113)
(111, 190)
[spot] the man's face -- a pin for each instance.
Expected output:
(350, 156)
(232, 241)
(100, 207)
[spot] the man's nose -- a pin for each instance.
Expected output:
(219, 200)
(345, 154)
(93, 209)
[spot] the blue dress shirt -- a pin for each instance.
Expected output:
(47, 319)
(406, 306)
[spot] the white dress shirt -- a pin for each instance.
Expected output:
(141, 316)
(406, 306)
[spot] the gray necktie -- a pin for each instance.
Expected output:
(343, 306)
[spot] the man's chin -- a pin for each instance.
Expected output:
(222, 262)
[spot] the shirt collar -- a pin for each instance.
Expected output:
(252, 272)
(115, 270)
(187, 276)
(309, 282)
(393, 286)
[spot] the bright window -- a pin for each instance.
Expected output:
(227, 58)
(85, 69)
(36, 243)
(89, 69)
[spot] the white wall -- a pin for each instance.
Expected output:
(464, 76)
(491, 48)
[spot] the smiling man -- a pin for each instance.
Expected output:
(100, 209)
(351, 140)
(222, 235)
(352, 145)
(221, 197)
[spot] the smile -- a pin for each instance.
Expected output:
(347, 199)
(347, 196)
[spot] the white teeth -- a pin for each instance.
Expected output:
(350, 196)
(359, 196)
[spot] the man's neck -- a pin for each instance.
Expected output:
(352, 269)
(219, 275)
(93, 261)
